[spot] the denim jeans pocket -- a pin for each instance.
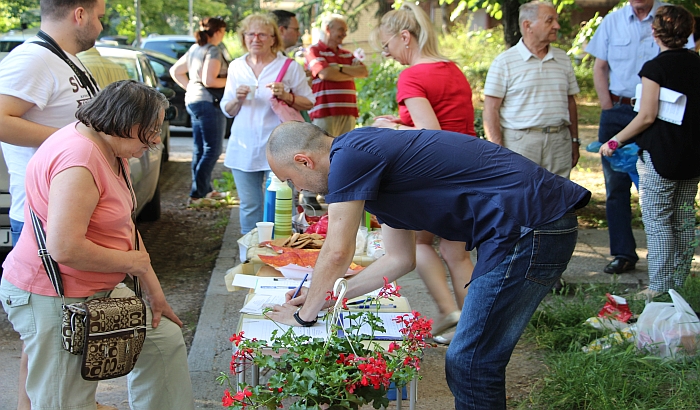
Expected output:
(15, 301)
(552, 248)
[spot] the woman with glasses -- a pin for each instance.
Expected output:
(77, 186)
(250, 86)
(432, 93)
(207, 70)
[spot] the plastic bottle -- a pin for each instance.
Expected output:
(283, 210)
(269, 207)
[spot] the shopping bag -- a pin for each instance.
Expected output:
(669, 329)
(285, 112)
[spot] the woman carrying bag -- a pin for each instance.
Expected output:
(77, 187)
(254, 83)
(207, 70)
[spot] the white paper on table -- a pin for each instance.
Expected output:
(258, 302)
(274, 286)
(245, 281)
(262, 329)
(671, 104)
(392, 329)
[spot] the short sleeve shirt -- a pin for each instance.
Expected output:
(459, 187)
(675, 149)
(447, 90)
(332, 97)
(626, 43)
(535, 91)
(196, 57)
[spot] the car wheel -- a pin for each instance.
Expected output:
(151, 212)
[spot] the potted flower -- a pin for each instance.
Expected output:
(345, 371)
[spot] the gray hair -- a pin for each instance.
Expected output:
(327, 22)
(123, 105)
(530, 11)
(293, 137)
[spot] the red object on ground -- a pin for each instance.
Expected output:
(615, 308)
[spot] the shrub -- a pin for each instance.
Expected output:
(376, 94)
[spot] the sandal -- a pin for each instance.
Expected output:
(446, 323)
(217, 195)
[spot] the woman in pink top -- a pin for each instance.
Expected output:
(76, 184)
(432, 94)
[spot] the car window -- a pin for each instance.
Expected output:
(159, 68)
(149, 76)
(8, 45)
(129, 65)
(172, 48)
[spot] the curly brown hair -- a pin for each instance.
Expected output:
(673, 25)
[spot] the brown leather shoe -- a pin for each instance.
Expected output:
(619, 265)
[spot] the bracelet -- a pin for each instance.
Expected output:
(303, 322)
(613, 144)
(576, 141)
(293, 98)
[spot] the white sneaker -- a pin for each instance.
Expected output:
(444, 338)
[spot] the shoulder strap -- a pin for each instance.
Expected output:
(137, 240)
(50, 265)
(283, 71)
(85, 78)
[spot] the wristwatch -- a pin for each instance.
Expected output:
(576, 140)
(303, 322)
(340, 68)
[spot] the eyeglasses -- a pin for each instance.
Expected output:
(260, 36)
(156, 133)
(385, 46)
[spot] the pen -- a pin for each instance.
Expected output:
(300, 285)
(374, 306)
(358, 302)
(277, 287)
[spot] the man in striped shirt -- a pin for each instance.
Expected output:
(334, 70)
(529, 106)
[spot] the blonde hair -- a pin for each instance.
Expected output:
(264, 20)
(413, 19)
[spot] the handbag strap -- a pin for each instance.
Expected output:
(84, 77)
(283, 71)
(50, 264)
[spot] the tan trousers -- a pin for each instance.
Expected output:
(552, 151)
(336, 124)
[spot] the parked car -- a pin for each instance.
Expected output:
(174, 45)
(13, 38)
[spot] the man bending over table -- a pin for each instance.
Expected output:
(518, 215)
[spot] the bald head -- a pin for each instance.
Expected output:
(293, 137)
(299, 152)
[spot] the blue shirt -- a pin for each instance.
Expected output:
(626, 43)
(453, 185)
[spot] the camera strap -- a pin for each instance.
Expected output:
(84, 77)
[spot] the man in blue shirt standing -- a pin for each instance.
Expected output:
(621, 45)
(518, 215)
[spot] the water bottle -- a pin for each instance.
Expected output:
(269, 207)
(283, 210)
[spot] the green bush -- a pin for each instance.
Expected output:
(376, 94)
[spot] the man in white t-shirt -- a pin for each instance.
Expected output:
(39, 93)
(529, 104)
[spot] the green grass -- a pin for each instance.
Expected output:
(588, 113)
(621, 377)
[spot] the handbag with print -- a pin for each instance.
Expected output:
(284, 112)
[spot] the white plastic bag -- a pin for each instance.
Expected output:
(375, 245)
(669, 329)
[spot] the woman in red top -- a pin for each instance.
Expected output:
(432, 93)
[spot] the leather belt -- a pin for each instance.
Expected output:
(621, 100)
(548, 130)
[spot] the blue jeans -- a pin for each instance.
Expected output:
(250, 187)
(617, 187)
(497, 310)
(208, 129)
(15, 230)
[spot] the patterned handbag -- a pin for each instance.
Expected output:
(108, 332)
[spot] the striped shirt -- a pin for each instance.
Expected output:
(535, 92)
(104, 70)
(332, 97)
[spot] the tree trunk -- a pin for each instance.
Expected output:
(445, 18)
(511, 28)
